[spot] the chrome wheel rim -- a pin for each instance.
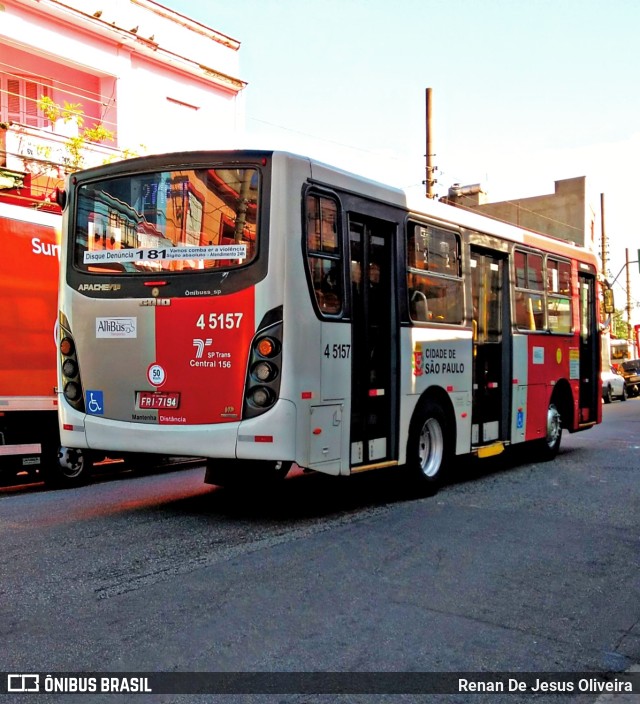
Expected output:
(71, 461)
(554, 426)
(431, 448)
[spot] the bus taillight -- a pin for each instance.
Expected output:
(67, 346)
(267, 347)
(70, 368)
(263, 371)
(262, 397)
(71, 384)
(263, 378)
(72, 391)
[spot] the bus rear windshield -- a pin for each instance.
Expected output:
(169, 221)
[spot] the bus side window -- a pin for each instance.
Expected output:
(523, 319)
(323, 253)
(330, 290)
(435, 299)
(559, 313)
(326, 284)
(434, 280)
(530, 303)
(529, 311)
(419, 306)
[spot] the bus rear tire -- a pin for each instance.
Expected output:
(548, 447)
(72, 468)
(428, 447)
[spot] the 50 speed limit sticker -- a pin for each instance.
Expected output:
(156, 375)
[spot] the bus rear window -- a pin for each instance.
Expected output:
(170, 221)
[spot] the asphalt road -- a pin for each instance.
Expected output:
(513, 566)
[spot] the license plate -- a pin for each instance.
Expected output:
(146, 400)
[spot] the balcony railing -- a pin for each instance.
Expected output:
(41, 151)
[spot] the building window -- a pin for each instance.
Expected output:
(19, 97)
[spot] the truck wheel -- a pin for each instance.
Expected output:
(72, 468)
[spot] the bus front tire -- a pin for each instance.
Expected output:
(428, 449)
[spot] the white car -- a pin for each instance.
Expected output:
(613, 386)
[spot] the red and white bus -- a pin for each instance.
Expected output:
(261, 309)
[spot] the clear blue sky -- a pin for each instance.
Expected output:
(525, 92)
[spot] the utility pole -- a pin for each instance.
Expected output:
(628, 308)
(603, 243)
(430, 168)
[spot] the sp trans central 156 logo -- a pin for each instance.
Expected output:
(116, 327)
(200, 344)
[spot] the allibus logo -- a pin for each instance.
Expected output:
(116, 327)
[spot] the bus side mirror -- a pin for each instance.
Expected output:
(607, 299)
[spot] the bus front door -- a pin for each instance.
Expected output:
(373, 314)
(490, 367)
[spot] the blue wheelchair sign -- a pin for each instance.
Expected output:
(94, 403)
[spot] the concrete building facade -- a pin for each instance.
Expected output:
(566, 213)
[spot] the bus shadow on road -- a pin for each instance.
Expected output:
(304, 496)
(297, 498)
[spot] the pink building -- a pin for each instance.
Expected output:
(82, 83)
(155, 79)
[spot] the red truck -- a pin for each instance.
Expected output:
(29, 265)
(29, 431)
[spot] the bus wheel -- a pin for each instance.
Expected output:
(550, 445)
(71, 469)
(427, 450)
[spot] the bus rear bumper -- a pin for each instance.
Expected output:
(270, 436)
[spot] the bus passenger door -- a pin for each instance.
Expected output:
(374, 338)
(589, 350)
(491, 386)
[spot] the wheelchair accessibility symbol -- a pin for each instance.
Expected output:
(94, 403)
